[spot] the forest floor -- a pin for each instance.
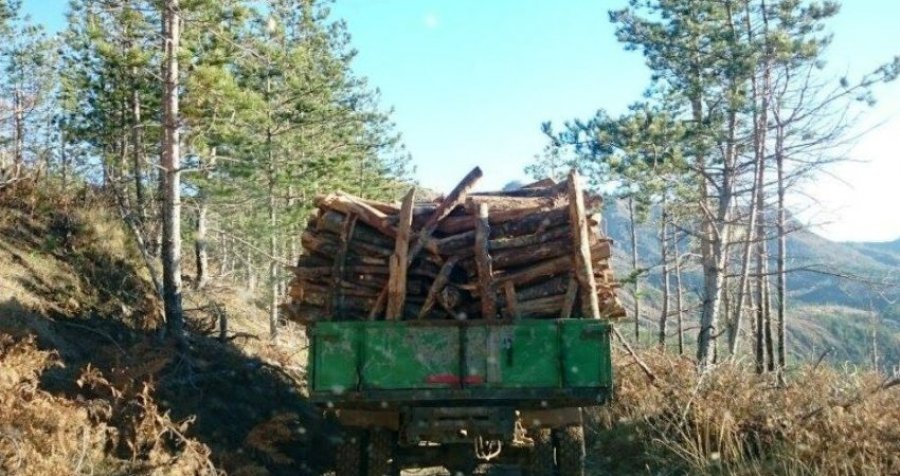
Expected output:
(88, 385)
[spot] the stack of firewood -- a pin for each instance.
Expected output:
(534, 252)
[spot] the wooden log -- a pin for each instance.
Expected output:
(545, 306)
(451, 244)
(569, 301)
(316, 272)
(307, 259)
(439, 282)
(512, 302)
(533, 223)
(398, 263)
(547, 182)
(303, 286)
(544, 188)
(328, 245)
(350, 205)
(554, 285)
(340, 260)
(333, 222)
(581, 241)
(529, 254)
(462, 223)
(456, 197)
(530, 224)
(528, 240)
(483, 262)
(537, 272)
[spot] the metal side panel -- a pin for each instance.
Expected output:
(335, 357)
(524, 354)
(586, 353)
(397, 356)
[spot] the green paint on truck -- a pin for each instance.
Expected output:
(361, 356)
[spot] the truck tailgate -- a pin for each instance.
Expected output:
(443, 359)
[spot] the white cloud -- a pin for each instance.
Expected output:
(431, 21)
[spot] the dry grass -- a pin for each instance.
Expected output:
(114, 431)
(732, 421)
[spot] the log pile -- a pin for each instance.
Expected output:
(528, 253)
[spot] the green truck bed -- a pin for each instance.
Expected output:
(542, 363)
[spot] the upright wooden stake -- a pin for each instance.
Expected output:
(569, 302)
(398, 263)
(483, 261)
(512, 302)
(336, 304)
(584, 271)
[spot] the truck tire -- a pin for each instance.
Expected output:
(570, 450)
(541, 459)
(348, 458)
(380, 453)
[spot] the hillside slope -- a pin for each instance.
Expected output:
(82, 361)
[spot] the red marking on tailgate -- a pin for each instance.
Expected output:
(451, 379)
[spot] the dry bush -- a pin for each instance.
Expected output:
(729, 420)
(115, 432)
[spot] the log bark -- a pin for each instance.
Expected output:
(398, 263)
(333, 222)
(569, 302)
(349, 205)
(512, 302)
(539, 271)
(437, 286)
(484, 263)
(529, 240)
(581, 241)
(529, 254)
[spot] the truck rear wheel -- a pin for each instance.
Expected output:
(380, 453)
(348, 458)
(366, 453)
(570, 450)
(541, 461)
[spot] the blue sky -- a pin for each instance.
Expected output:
(471, 81)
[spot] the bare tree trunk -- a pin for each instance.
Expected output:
(781, 278)
(171, 164)
(201, 245)
(679, 303)
(715, 259)
(767, 313)
(874, 324)
(763, 318)
(18, 133)
(759, 347)
(664, 254)
(273, 239)
(64, 160)
(636, 286)
(137, 157)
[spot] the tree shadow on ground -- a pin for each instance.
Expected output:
(251, 414)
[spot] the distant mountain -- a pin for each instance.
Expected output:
(885, 251)
(835, 289)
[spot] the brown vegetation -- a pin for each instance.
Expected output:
(730, 420)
